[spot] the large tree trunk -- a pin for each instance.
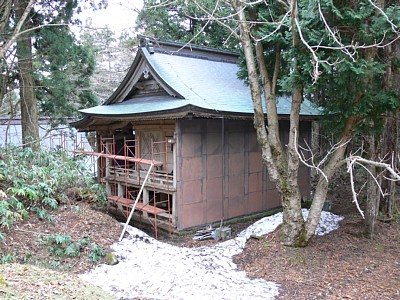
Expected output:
(29, 116)
(282, 167)
(293, 225)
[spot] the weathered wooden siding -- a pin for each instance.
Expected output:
(220, 174)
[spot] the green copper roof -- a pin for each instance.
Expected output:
(209, 85)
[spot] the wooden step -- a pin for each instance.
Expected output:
(150, 208)
(139, 206)
(122, 200)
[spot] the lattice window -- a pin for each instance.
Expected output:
(148, 140)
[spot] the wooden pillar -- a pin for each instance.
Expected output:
(173, 210)
(121, 190)
(146, 199)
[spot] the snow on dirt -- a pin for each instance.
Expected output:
(148, 268)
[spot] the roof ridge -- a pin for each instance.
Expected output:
(187, 50)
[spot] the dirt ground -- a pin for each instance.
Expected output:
(31, 271)
(342, 265)
(345, 264)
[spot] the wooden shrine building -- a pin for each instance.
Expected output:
(177, 135)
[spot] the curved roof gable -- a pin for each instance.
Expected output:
(141, 80)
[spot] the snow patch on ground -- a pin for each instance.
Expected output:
(152, 269)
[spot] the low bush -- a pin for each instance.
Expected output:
(63, 246)
(37, 181)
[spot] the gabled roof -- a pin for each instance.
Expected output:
(171, 80)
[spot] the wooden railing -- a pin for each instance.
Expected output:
(158, 180)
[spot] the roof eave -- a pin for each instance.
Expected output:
(189, 111)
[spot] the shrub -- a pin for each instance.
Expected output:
(63, 246)
(36, 181)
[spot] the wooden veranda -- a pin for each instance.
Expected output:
(132, 182)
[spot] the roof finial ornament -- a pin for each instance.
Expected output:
(149, 45)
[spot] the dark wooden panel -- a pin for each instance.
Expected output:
(253, 142)
(255, 162)
(214, 143)
(191, 126)
(236, 142)
(225, 171)
(273, 199)
(255, 182)
(215, 126)
(236, 164)
(237, 205)
(236, 125)
(255, 203)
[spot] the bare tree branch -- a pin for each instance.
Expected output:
(353, 160)
(394, 27)
(341, 47)
(391, 169)
(333, 34)
(353, 190)
(310, 162)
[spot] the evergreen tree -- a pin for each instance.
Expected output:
(188, 22)
(63, 81)
(339, 44)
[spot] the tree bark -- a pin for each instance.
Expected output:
(293, 225)
(391, 132)
(29, 115)
(372, 189)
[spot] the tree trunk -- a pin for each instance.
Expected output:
(293, 225)
(321, 190)
(29, 116)
(391, 133)
(372, 188)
